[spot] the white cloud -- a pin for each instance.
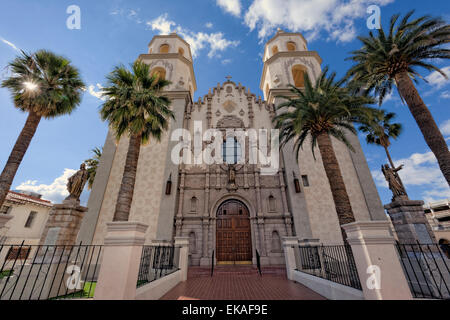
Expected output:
(99, 93)
(436, 79)
(311, 16)
(162, 24)
(226, 61)
(55, 191)
(209, 25)
(12, 45)
(445, 128)
(420, 170)
(197, 40)
(230, 6)
(445, 95)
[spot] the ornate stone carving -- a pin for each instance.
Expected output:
(230, 122)
(229, 106)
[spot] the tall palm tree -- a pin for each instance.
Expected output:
(46, 86)
(136, 108)
(323, 110)
(379, 130)
(92, 165)
(393, 58)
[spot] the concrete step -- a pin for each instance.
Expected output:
(195, 272)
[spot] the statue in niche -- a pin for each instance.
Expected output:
(231, 170)
(394, 181)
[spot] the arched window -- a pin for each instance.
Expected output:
(274, 49)
(194, 204)
(164, 48)
(267, 91)
(276, 243)
(298, 74)
(192, 242)
(231, 150)
(272, 204)
(181, 51)
(160, 72)
(291, 46)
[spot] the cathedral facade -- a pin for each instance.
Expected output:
(233, 210)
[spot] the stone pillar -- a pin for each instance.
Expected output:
(183, 263)
(121, 259)
(410, 223)
(289, 243)
(379, 267)
(63, 224)
(205, 260)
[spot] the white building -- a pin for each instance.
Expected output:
(30, 214)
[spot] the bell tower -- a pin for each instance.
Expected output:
(170, 56)
(286, 60)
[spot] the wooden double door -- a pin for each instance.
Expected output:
(233, 233)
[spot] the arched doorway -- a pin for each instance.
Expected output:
(233, 233)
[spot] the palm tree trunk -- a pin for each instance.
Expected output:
(389, 157)
(425, 121)
(337, 185)
(125, 197)
(17, 154)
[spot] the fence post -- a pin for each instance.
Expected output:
(119, 268)
(289, 254)
(183, 244)
(374, 250)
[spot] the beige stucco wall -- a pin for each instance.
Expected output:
(16, 231)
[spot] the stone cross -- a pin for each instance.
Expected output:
(228, 78)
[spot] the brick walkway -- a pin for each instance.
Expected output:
(240, 283)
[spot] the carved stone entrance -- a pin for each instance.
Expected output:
(233, 233)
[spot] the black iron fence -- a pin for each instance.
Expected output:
(41, 272)
(426, 267)
(156, 262)
(334, 263)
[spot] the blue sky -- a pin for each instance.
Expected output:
(228, 38)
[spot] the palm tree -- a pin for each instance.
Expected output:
(379, 130)
(46, 86)
(136, 108)
(321, 111)
(92, 165)
(390, 59)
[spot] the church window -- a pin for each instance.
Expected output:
(194, 204)
(305, 181)
(298, 74)
(30, 219)
(181, 51)
(164, 48)
(291, 46)
(267, 91)
(160, 72)
(274, 49)
(276, 243)
(272, 204)
(231, 150)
